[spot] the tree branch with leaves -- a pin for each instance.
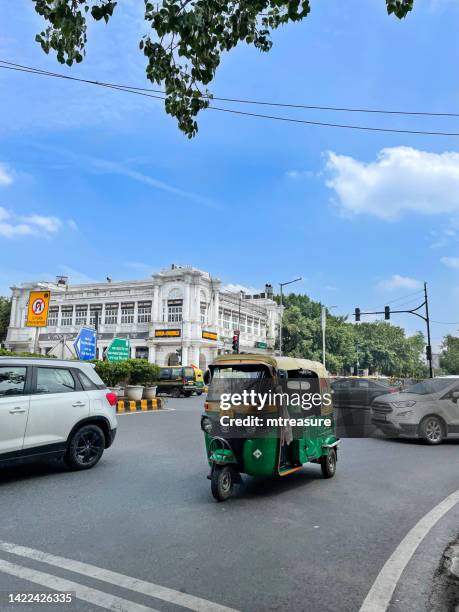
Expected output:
(187, 40)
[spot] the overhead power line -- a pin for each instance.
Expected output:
(127, 89)
(345, 109)
(446, 322)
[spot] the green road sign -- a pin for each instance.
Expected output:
(119, 350)
(261, 345)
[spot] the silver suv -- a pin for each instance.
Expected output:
(428, 409)
(51, 408)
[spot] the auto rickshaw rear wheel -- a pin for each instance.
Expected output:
(222, 482)
(328, 464)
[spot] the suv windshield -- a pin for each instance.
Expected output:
(425, 387)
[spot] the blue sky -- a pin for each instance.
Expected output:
(95, 182)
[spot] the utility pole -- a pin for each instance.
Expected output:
(282, 285)
(427, 319)
(324, 325)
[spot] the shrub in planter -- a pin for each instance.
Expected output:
(113, 373)
(151, 383)
(138, 374)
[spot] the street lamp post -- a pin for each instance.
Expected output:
(282, 285)
(324, 325)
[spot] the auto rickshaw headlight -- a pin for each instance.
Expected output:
(206, 425)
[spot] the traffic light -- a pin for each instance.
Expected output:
(236, 341)
(357, 314)
(387, 313)
(429, 352)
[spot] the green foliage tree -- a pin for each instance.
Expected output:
(449, 358)
(5, 313)
(187, 40)
(380, 347)
(384, 348)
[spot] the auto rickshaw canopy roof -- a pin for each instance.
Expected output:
(279, 363)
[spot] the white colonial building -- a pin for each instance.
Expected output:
(179, 315)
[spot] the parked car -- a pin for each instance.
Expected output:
(51, 408)
(176, 381)
(428, 409)
(352, 398)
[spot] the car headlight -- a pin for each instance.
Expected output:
(206, 425)
(405, 413)
(404, 404)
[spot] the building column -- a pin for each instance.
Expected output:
(187, 314)
(152, 354)
(14, 308)
(156, 307)
(185, 356)
(132, 352)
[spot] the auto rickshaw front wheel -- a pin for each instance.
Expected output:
(222, 482)
(328, 464)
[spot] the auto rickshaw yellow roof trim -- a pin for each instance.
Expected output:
(279, 363)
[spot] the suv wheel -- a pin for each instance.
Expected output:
(86, 447)
(432, 430)
(175, 392)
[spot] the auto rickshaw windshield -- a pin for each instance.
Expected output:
(237, 378)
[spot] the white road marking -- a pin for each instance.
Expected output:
(93, 596)
(140, 586)
(380, 594)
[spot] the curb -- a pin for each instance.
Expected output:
(139, 405)
(453, 555)
(445, 591)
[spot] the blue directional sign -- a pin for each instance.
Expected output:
(86, 344)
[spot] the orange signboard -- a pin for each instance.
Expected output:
(167, 333)
(37, 312)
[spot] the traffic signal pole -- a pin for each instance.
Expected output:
(387, 312)
(427, 320)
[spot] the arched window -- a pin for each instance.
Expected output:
(174, 294)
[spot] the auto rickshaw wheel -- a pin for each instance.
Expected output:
(328, 464)
(222, 482)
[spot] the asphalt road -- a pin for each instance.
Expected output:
(301, 543)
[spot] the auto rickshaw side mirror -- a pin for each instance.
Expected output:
(207, 377)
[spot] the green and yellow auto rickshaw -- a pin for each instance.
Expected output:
(284, 420)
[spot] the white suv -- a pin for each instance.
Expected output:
(54, 408)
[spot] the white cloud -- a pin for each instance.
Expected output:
(451, 262)
(99, 165)
(13, 226)
(5, 175)
(401, 180)
(396, 281)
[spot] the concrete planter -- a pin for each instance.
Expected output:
(134, 392)
(149, 392)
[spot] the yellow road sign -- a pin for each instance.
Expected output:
(37, 312)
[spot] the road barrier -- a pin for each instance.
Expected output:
(139, 406)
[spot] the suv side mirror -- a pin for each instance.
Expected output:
(455, 396)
